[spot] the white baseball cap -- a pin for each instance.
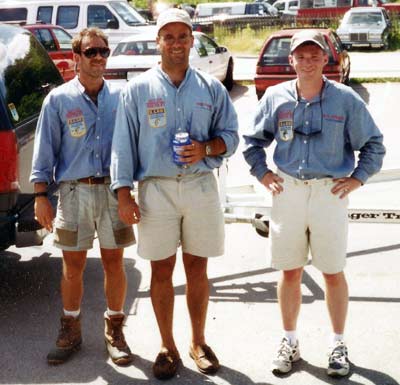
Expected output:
(173, 15)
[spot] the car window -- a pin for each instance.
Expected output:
(28, 76)
(148, 48)
(365, 18)
(67, 16)
(209, 44)
(64, 39)
(13, 14)
(279, 6)
(128, 14)
(99, 16)
(277, 52)
(198, 46)
(45, 37)
(335, 42)
(44, 15)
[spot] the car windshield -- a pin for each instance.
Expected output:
(365, 18)
(278, 50)
(128, 14)
(145, 47)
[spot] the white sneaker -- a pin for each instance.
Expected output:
(339, 364)
(286, 355)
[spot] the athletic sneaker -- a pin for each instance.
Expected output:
(286, 355)
(339, 364)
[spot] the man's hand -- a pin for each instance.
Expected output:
(192, 153)
(128, 209)
(44, 212)
(272, 182)
(344, 186)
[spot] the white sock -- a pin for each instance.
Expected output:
(337, 337)
(291, 336)
(73, 313)
(113, 312)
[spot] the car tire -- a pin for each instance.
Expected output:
(346, 78)
(347, 47)
(228, 81)
(385, 42)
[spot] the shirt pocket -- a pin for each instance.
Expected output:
(332, 139)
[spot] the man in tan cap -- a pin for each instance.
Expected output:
(317, 125)
(178, 195)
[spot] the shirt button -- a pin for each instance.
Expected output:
(303, 161)
(97, 137)
(98, 118)
(305, 141)
(302, 177)
(307, 122)
(97, 173)
(97, 155)
(178, 109)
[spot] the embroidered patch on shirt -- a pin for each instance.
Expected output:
(285, 129)
(156, 113)
(76, 123)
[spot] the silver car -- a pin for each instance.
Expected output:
(365, 26)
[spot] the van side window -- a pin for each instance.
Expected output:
(67, 16)
(13, 14)
(100, 16)
(44, 15)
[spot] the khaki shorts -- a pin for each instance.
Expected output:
(84, 210)
(182, 210)
(305, 217)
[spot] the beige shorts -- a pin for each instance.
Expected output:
(84, 210)
(182, 211)
(307, 217)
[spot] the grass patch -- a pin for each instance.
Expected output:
(246, 41)
(355, 81)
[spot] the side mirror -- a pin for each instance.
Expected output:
(112, 24)
(221, 49)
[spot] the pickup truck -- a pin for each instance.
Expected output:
(317, 9)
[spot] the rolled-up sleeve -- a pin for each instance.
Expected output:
(124, 154)
(366, 138)
(258, 136)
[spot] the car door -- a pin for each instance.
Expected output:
(217, 57)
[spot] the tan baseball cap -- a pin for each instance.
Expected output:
(307, 36)
(173, 15)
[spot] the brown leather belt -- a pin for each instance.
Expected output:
(94, 180)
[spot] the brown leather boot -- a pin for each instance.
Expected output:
(69, 340)
(117, 347)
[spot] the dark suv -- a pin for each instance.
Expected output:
(27, 74)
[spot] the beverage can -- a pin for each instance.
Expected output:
(180, 139)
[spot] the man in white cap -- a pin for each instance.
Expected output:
(178, 203)
(317, 125)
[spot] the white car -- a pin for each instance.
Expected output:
(138, 53)
(365, 26)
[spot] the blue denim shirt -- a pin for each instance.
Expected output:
(317, 138)
(73, 135)
(152, 109)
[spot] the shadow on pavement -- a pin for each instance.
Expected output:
(362, 91)
(373, 376)
(238, 91)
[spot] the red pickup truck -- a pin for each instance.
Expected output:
(317, 9)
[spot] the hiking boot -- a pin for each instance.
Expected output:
(117, 347)
(286, 355)
(69, 340)
(339, 364)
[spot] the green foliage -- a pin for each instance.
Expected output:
(242, 41)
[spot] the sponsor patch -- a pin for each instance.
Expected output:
(76, 123)
(14, 112)
(285, 129)
(156, 113)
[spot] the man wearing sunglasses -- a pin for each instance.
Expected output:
(317, 125)
(73, 148)
(179, 203)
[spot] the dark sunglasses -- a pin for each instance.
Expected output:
(90, 53)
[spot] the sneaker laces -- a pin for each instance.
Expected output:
(339, 353)
(285, 350)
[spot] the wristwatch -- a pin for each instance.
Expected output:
(208, 149)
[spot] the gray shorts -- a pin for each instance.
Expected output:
(183, 210)
(84, 210)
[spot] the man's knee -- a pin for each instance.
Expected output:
(163, 270)
(195, 267)
(292, 276)
(335, 279)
